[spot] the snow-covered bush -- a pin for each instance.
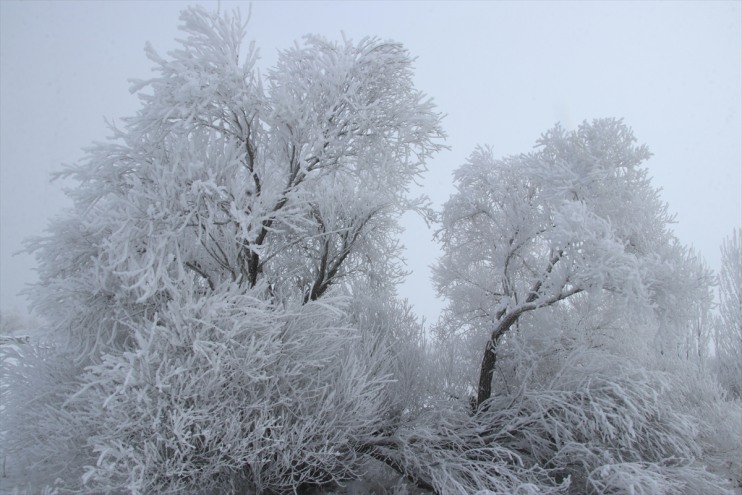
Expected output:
(394, 330)
(230, 394)
(601, 425)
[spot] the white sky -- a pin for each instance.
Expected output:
(503, 72)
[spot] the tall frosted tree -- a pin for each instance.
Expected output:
(575, 222)
(208, 286)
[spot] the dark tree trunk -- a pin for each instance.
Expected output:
(484, 391)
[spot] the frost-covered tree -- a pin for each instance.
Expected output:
(211, 283)
(728, 325)
(575, 220)
(559, 264)
(293, 183)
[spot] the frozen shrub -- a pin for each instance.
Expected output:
(230, 394)
(599, 426)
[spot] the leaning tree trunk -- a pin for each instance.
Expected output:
(484, 391)
(487, 370)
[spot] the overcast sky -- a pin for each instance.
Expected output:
(502, 72)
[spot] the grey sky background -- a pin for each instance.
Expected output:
(502, 72)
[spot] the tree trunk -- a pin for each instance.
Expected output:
(484, 391)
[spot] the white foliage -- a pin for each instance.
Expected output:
(571, 216)
(231, 394)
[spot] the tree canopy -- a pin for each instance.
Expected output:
(578, 216)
